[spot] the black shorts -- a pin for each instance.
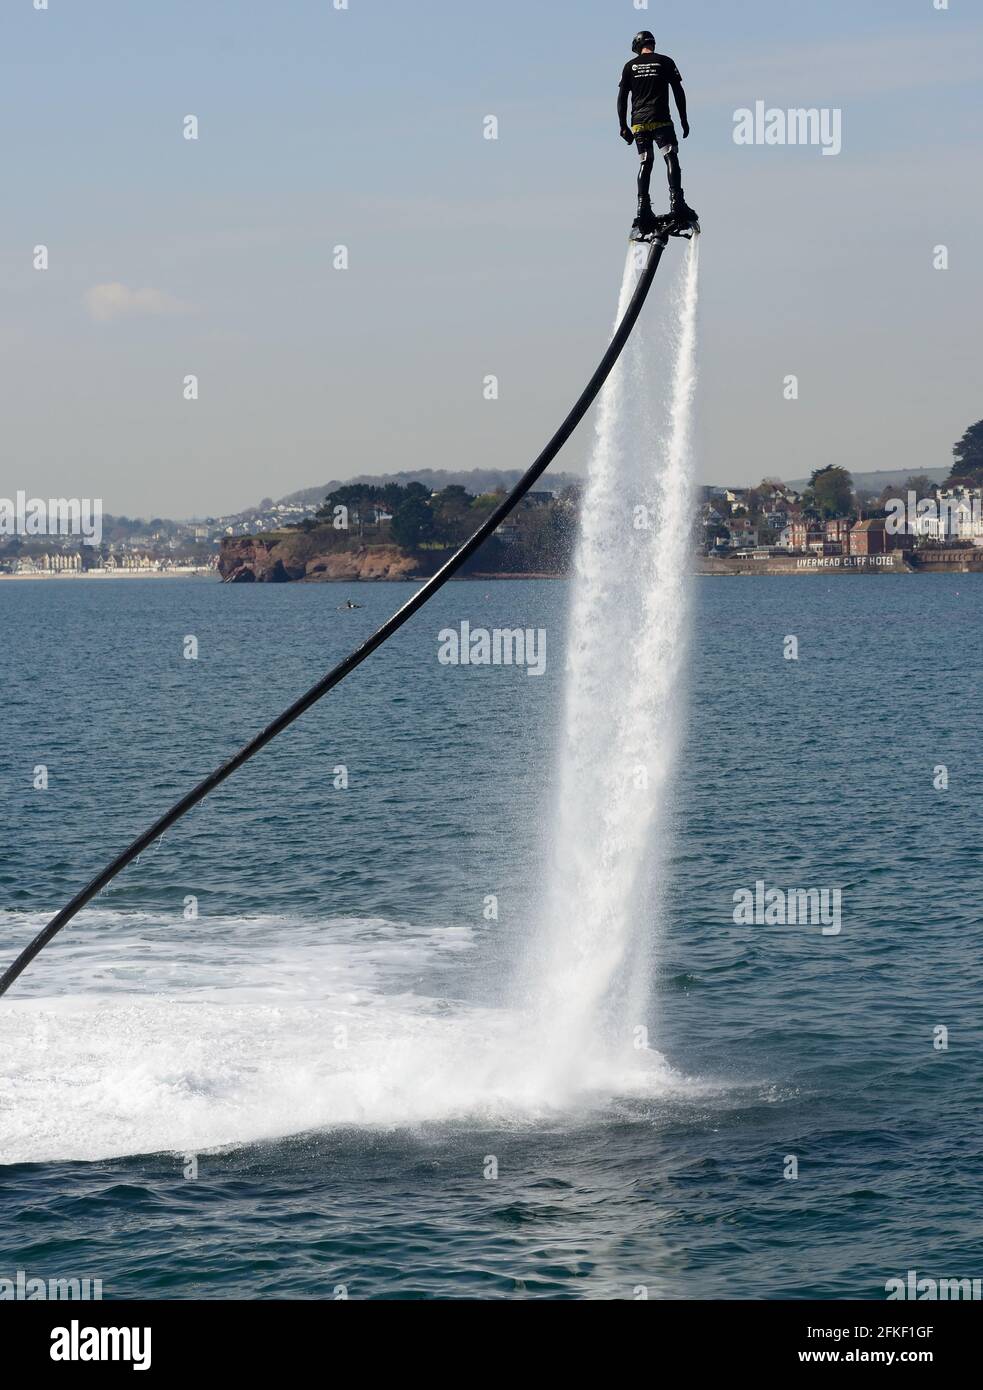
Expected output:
(663, 137)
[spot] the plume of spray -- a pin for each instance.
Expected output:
(172, 1055)
(587, 974)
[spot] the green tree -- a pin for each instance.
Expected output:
(412, 523)
(968, 453)
(756, 499)
(921, 485)
(359, 499)
(391, 495)
(486, 501)
(450, 508)
(830, 491)
(865, 498)
(918, 483)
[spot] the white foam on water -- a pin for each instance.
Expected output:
(254, 1030)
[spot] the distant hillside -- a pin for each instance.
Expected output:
(476, 480)
(885, 477)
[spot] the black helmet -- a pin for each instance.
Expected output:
(642, 40)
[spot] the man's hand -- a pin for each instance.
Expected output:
(685, 129)
(627, 136)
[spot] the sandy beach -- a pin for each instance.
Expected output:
(177, 573)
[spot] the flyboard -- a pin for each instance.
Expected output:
(683, 223)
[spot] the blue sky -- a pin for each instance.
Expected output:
(363, 127)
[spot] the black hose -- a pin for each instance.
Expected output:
(391, 625)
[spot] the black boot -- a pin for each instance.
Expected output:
(644, 224)
(682, 213)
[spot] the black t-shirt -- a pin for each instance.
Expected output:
(648, 78)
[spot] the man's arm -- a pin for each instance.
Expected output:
(677, 91)
(623, 89)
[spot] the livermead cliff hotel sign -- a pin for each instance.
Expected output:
(892, 560)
